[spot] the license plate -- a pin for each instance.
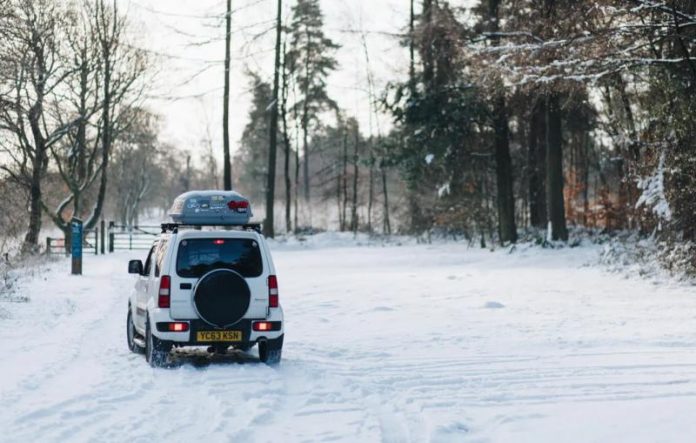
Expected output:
(214, 336)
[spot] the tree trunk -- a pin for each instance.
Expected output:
(31, 239)
(554, 170)
(507, 229)
(286, 141)
(268, 226)
(356, 171)
(412, 48)
(386, 225)
(371, 189)
(81, 138)
(586, 178)
(106, 124)
(226, 101)
(339, 197)
(345, 181)
(297, 187)
(39, 159)
(536, 165)
(305, 129)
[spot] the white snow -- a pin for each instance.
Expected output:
(653, 195)
(384, 343)
(443, 190)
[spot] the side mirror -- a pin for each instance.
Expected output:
(135, 267)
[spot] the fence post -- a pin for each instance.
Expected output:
(48, 245)
(102, 229)
(130, 238)
(96, 241)
(111, 236)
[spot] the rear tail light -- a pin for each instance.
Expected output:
(272, 291)
(178, 327)
(264, 326)
(163, 300)
(239, 206)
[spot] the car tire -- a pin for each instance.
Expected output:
(131, 334)
(156, 350)
(271, 351)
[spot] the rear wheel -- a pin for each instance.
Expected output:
(131, 334)
(271, 351)
(156, 350)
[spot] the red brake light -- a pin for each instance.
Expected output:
(273, 291)
(239, 206)
(262, 326)
(218, 242)
(164, 292)
(178, 327)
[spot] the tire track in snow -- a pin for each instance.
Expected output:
(392, 367)
(93, 362)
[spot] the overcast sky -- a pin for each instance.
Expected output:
(188, 87)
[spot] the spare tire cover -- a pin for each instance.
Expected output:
(221, 298)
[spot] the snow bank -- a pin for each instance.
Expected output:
(336, 240)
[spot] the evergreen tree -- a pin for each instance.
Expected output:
(252, 159)
(310, 61)
(437, 111)
(507, 228)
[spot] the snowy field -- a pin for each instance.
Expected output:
(408, 343)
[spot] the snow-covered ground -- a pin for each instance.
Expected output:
(410, 343)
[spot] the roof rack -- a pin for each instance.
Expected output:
(174, 227)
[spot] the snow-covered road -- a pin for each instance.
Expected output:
(393, 344)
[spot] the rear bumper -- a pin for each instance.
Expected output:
(189, 338)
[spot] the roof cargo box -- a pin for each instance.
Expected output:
(211, 208)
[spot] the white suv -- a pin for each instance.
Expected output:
(206, 288)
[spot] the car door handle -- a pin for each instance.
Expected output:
(185, 286)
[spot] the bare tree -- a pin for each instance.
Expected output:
(136, 167)
(76, 156)
(268, 226)
(286, 142)
(356, 174)
(99, 95)
(32, 59)
(226, 103)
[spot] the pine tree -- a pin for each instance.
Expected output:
(507, 228)
(254, 150)
(437, 111)
(310, 61)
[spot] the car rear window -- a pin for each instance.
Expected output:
(197, 257)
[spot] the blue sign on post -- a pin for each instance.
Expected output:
(76, 245)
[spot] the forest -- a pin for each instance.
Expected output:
(515, 121)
